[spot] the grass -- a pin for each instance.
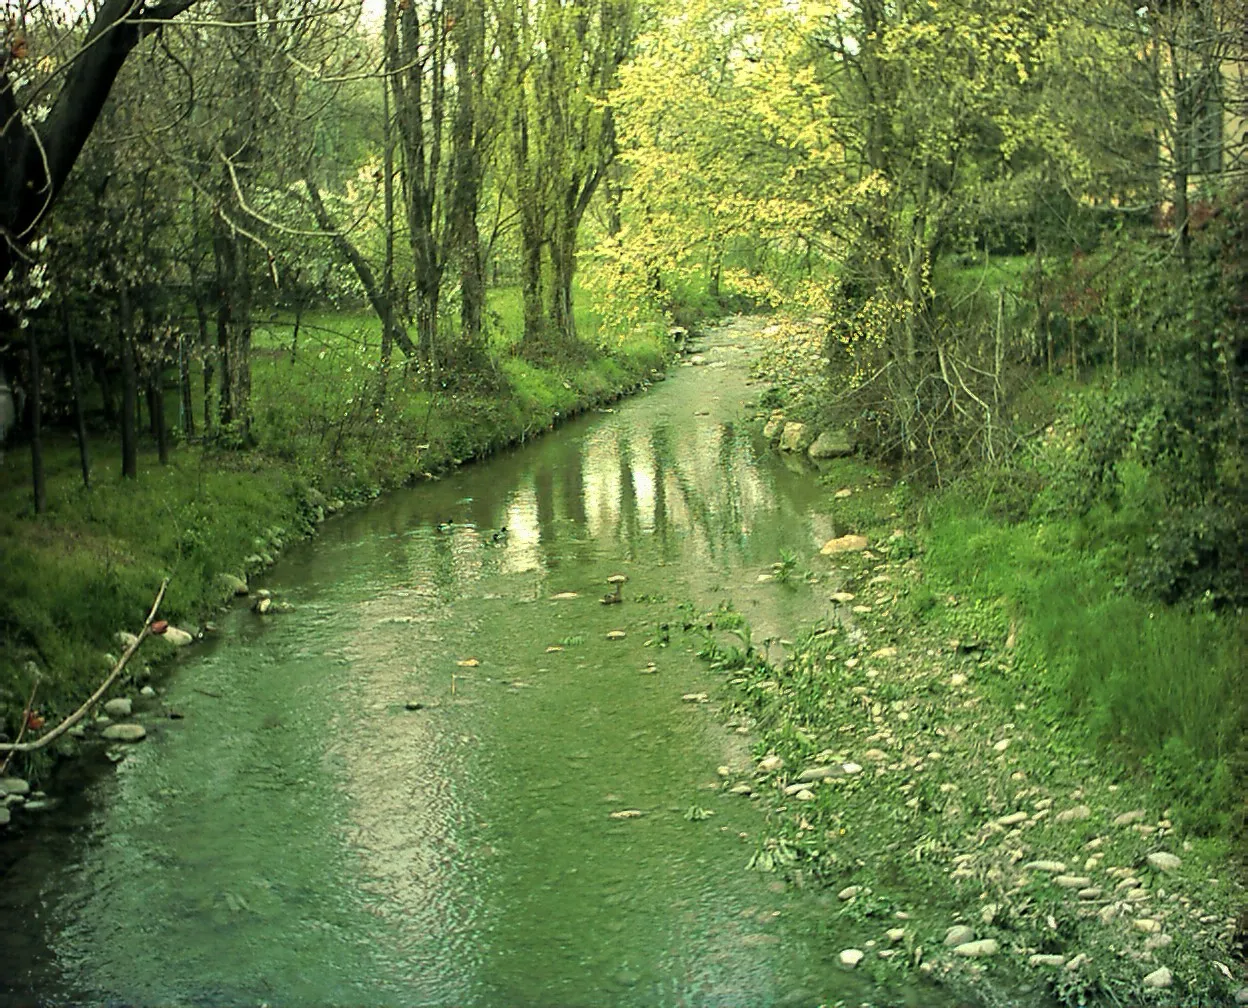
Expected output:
(1161, 688)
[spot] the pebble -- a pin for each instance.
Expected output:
(1057, 867)
(875, 755)
(1078, 961)
(124, 732)
(978, 949)
(1003, 745)
(616, 635)
(118, 707)
(849, 892)
(695, 697)
(959, 934)
(1013, 819)
(1108, 912)
(1075, 814)
(742, 789)
(793, 789)
(1146, 924)
(1072, 881)
(957, 679)
(851, 957)
(851, 768)
(818, 773)
(771, 763)
(1159, 978)
(1163, 861)
(147, 692)
(1090, 893)
(885, 652)
(1046, 960)
(1158, 941)
(895, 934)
(14, 785)
(843, 596)
(1127, 818)
(805, 795)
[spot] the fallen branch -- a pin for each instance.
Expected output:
(80, 713)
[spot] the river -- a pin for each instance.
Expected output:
(301, 837)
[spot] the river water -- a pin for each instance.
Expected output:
(303, 838)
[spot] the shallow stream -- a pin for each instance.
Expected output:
(303, 838)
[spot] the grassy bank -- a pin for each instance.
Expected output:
(1011, 734)
(89, 566)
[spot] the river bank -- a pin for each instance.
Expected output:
(75, 578)
(921, 756)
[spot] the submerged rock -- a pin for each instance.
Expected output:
(118, 707)
(14, 785)
(849, 958)
(1159, 978)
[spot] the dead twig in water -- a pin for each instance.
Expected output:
(215, 696)
(80, 713)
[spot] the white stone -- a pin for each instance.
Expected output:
(771, 763)
(978, 949)
(148, 692)
(1075, 814)
(1159, 978)
(124, 733)
(1046, 960)
(14, 786)
(959, 934)
(1057, 867)
(118, 707)
(845, 544)
(851, 768)
(851, 957)
(1163, 861)
(849, 892)
(1127, 818)
(1147, 925)
(1072, 881)
(177, 637)
(895, 934)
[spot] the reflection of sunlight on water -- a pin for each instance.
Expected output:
(404, 780)
(524, 534)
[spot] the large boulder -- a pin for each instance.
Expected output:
(831, 444)
(796, 437)
(773, 427)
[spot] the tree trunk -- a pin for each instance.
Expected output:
(36, 422)
(80, 423)
(563, 266)
(129, 392)
(184, 388)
